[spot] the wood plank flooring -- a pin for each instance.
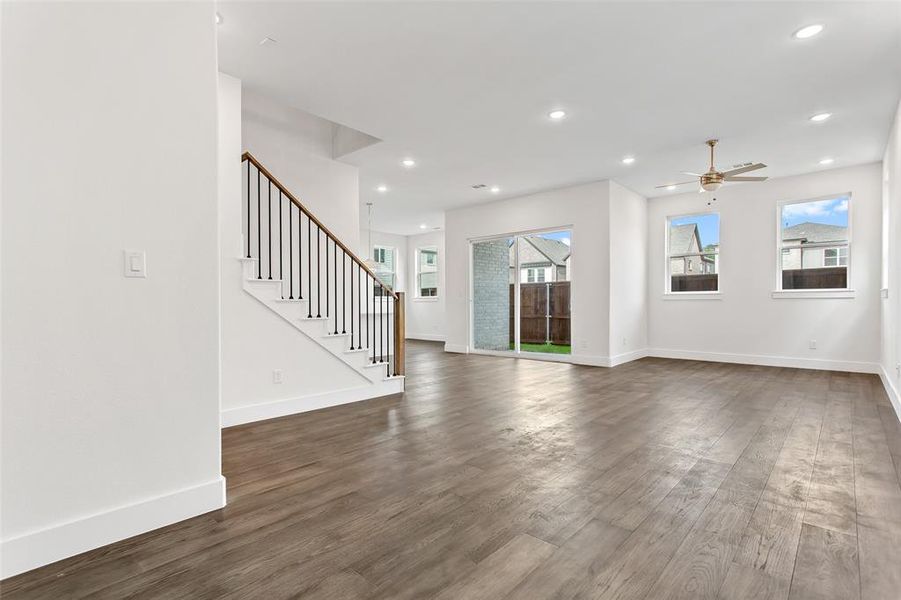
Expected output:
(513, 479)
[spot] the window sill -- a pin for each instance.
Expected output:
(693, 296)
(425, 299)
(814, 294)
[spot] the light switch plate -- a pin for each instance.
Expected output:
(135, 264)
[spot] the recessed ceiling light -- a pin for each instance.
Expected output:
(423, 226)
(408, 162)
(556, 115)
(628, 160)
(495, 189)
(820, 117)
(827, 161)
(670, 187)
(808, 32)
(382, 188)
(218, 19)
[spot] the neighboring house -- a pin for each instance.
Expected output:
(684, 247)
(813, 258)
(541, 259)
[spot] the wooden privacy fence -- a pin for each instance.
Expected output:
(544, 312)
(815, 279)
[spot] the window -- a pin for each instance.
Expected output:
(384, 259)
(427, 273)
(693, 252)
(530, 276)
(814, 239)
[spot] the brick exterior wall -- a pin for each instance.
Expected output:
(491, 295)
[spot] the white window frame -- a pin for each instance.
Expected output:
(375, 252)
(668, 293)
(845, 292)
(418, 295)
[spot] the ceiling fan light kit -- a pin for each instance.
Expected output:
(712, 180)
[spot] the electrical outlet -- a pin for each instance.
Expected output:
(813, 344)
(898, 369)
(277, 376)
(624, 341)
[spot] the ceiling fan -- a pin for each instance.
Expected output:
(713, 179)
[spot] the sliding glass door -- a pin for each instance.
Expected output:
(521, 293)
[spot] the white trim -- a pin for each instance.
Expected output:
(44, 546)
(424, 298)
(768, 361)
(428, 337)
(618, 359)
(894, 395)
(456, 348)
(693, 296)
(814, 293)
(289, 406)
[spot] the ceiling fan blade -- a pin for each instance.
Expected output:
(672, 184)
(740, 170)
(692, 174)
(746, 178)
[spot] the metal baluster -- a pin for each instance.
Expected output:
(248, 209)
(381, 325)
(351, 303)
(326, 270)
(359, 307)
(281, 274)
(343, 290)
(318, 264)
(336, 288)
(309, 271)
(259, 254)
(388, 321)
(291, 250)
(269, 223)
(367, 310)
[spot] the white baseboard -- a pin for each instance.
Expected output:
(290, 406)
(894, 395)
(457, 348)
(768, 361)
(618, 359)
(44, 546)
(428, 337)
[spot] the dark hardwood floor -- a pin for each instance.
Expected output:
(500, 478)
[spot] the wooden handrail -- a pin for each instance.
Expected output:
(248, 156)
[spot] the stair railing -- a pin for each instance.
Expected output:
(293, 246)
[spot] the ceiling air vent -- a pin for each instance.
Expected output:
(478, 186)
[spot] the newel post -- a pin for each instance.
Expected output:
(399, 334)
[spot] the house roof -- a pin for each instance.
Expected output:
(556, 251)
(815, 232)
(680, 237)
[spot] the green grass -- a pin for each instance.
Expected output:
(548, 348)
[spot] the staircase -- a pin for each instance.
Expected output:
(300, 270)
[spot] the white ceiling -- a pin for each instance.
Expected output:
(465, 88)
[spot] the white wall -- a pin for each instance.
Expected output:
(746, 323)
(110, 385)
(585, 210)
(890, 355)
(425, 317)
(295, 146)
(628, 273)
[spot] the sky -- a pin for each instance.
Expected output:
(830, 212)
(563, 236)
(708, 227)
